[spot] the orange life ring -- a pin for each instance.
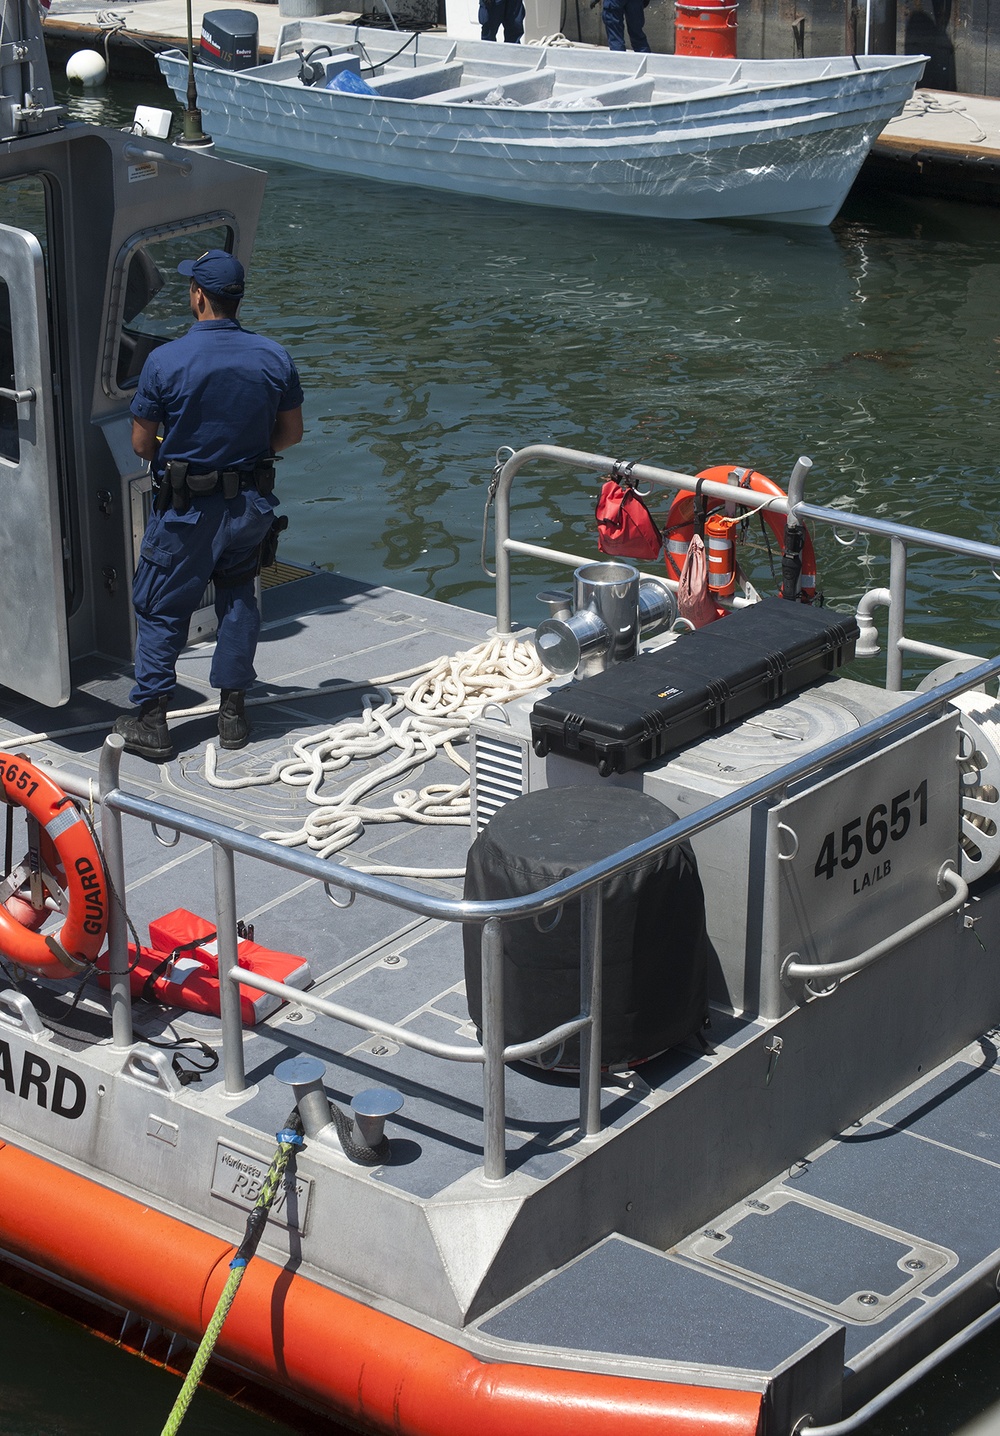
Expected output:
(679, 528)
(80, 938)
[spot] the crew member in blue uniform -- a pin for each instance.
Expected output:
(210, 412)
(508, 13)
(616, 14)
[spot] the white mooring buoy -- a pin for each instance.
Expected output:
(88, 67)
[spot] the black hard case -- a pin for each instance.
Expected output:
(658, 702)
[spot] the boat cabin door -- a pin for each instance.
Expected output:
(34, 639)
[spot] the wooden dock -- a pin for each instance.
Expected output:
(131, 35)
(943, 144)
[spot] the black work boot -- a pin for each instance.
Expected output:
(145, 731)
(234, 730)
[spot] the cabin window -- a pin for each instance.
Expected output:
(154, 305)
(9, 446)
(22, 206)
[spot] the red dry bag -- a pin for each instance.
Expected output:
(625, 527)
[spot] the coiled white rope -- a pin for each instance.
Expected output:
(428, 717)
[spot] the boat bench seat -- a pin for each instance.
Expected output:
(427, 80)
(524, 86)
(625, 92)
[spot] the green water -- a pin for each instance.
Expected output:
(430, 330)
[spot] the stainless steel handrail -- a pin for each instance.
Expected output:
(467, 910)
(903, 1383)
(906, 533)
(597, 464)
(493, 1055)
(901, 537)
(834, 971)
(586, 884)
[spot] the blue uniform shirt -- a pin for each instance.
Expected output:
(217, 391)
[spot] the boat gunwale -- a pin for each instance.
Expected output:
(564, 118)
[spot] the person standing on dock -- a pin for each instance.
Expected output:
(227, 400)
(508, 13)
(616, 14)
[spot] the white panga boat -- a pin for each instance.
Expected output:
(661, 136)
(770, 1225)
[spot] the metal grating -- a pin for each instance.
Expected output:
(278, 573)
(499, 770)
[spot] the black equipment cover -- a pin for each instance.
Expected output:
(655, 988)
(656, 703)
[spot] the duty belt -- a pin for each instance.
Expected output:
(178, 485)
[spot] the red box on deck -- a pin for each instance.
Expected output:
(191, 979)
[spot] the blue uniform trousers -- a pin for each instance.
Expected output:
(616, 14)
(508, 13)
(180, 553)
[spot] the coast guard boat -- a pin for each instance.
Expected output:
(769, 1220)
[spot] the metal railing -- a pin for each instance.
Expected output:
(492, 1053)
(900, 537)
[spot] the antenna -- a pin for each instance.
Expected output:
(192, 134)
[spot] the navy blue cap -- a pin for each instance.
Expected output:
(216, 272)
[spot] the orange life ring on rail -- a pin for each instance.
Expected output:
(79, 939)
(679, 531)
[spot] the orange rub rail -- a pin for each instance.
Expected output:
(355, 1361)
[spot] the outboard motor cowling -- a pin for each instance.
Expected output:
(229, 39)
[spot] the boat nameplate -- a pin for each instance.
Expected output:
(870, 842)
(239, 1175)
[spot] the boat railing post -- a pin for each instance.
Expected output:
(494, 1073)
(897, 615)
(501, 557)
(591, 965)
(114, 862)
(797, 485)
(233, 1069)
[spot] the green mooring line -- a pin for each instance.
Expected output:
(289, 1138)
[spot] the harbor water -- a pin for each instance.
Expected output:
(431, 330)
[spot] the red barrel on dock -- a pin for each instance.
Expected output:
(708, 28)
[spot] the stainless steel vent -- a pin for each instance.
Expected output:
(499, 773)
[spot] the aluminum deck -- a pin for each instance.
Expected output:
(821, 1273)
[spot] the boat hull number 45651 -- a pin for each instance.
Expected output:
(856, 857)
(884, 824)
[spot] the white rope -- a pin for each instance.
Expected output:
(428, 717)
(922, 104)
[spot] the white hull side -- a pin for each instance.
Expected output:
(792, 167)
(764, 153)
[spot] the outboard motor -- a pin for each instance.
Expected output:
(613, 605)
(229, 39)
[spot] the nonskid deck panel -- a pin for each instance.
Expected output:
(866, 1236)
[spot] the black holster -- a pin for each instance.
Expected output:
(175, 480)
(264, 477)
(269, 548)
